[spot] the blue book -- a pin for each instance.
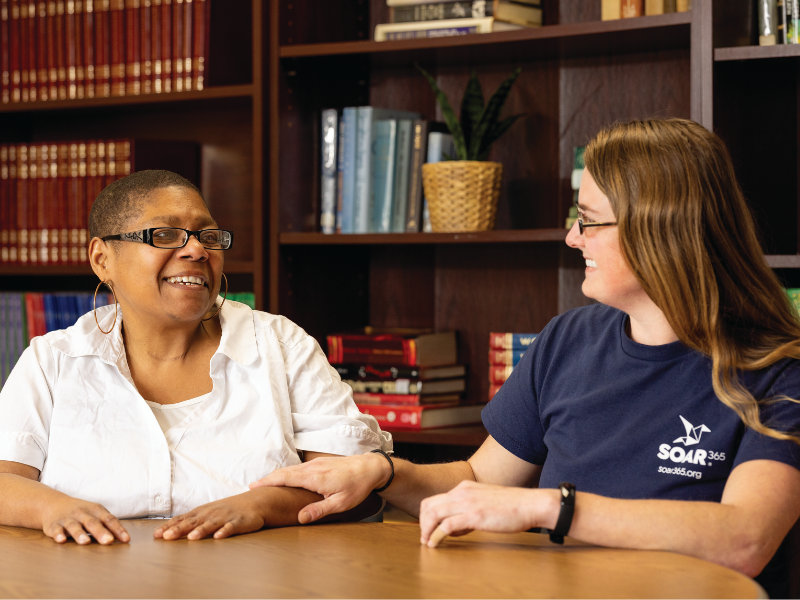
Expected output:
(339, 175)
(347, 168)
(19, 328)
(402, 172)
(383, 154)
(365, 137)
(3, 339)
(506, 357)
(50, 314)
(511, 341)
(329, 175)
(440, 147)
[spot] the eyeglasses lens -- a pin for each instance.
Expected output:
(213, 239)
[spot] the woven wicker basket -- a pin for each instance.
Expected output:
(462, 194)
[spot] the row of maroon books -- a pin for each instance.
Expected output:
(72, 49)
(47, 191)
(406, 379)
(505, 352)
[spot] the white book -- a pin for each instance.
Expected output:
(443, 28)
(416, 2)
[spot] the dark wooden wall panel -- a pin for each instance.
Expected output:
(578, 11)
(735, 23)
(485, 288)
(401, 286)
(321, 21)
(597, 91)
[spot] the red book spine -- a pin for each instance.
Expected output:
(74, 198)
(117, 47)
(52, 63)
(87, 44)
(33, 203)
(102, 71)
(61, 49)
(14, 58)
(394, 417)
(177, 46)
(5, 53)
(42, 193)
(5, 200)
(83, 214)
(186, 42)
(13, 255)
(499, 374)
(22, 203)
(199, 41)
(33, 84)
(124, 158)
(41, 323)
(373, 399)
(166, 46)
(80, 72)
(24, 51)
(146, 51)
(155, 45)
(61, 195)
(493, 389)
(133, 67)
(51, 203)
(43, 83)
(71, 50)
(30, 315)
(92, 180)
(385, 350)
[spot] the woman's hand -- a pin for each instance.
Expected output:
(67, 516)
(344, 482)
(481, 506)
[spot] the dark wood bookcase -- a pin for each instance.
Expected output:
(226, 119)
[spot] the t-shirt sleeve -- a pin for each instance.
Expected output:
(26, 407)
(512, 416)
(324, 416)
(782, 415)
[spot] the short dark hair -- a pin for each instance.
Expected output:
(122, 201)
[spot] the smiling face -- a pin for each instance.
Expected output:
(609, 278)
(155, 284)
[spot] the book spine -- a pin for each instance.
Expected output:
(33, 79)
(505, 357)
(42, 70)
(342, 349)
(610, 10)
(350, 118)
(418, 156)
(22, 203)
(5, 53)
(199, 43)
(63, 205)
(93, 184)
(394, 417)
(166, 45)
(87, 45)
(24, 51)
(132, 48)
(499, 374)
(340, 175)
(361, 197)
(684, 5)
(511, 341)
(383, 151)
(80, 71)
(441, 11)
(146, 44)
(102, 51)
(792, 21)
(71, 39)
(654, 7)
(767, 22)
(52, 65)
(52, 204)
(4, 328)
(73, 201)
(631, 8)
(61, 49)
(390, 387)
(82, 204)
(373, 373)
(493, 389)
(431, 31)
(177, 46)
(401, 175)
(328, 175)
(14, 58)
(34, 204)
(50, 313)
(30, 315)
(186, 43)
(386, 399)
(5, 200)
(155, 45)
(117, 46)
(13, 254)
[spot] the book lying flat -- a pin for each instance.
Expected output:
(404, 399)
(407, 386)
(391, 347)
(423, 417)
(387, 372)
(434, 29)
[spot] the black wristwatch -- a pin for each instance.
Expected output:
(391, 464)
(567, 491)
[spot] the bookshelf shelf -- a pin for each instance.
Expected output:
(783, 261)
(655, 33)
(479, 237)
(237, 267)
(756, 52)
(210, 93)
(472, 435)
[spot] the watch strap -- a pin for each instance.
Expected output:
(391, 464)
(565, 514)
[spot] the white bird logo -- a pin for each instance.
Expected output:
(692, 433)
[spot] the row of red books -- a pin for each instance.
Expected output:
(505, 352)
(47, 191)
(406, 379)
(72, 49)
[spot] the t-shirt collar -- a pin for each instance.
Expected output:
(669, 351)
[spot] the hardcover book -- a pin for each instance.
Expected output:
(391, 347)
(506, 357)
(384, 399)
(392, 418)
(408, 386)
(436, 29)
(386, 372)
(511, 341)
(328, 176)
(440, 11)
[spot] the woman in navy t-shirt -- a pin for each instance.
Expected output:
(668, 406)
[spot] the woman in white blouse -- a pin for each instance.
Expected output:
(101, 422)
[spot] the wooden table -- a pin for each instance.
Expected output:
(358, 560)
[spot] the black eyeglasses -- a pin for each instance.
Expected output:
(584, 224)
(171, 238)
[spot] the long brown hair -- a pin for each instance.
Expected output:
(687, 233)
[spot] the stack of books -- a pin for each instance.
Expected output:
(47, 191)
(411, 19)
(371, 169)
(23, 316)
(406, 379)
(72, 49)
(505, 352)
(794, 296)
(626, 9)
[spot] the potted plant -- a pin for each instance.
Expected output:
(462, 191)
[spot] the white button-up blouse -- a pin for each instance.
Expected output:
(70, 409)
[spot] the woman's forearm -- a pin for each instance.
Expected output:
(22, 501)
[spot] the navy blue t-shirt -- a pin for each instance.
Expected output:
(624, 420)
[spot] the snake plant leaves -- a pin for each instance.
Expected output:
(449, 116)
(491, 112)
(471, 107)
(497, 130)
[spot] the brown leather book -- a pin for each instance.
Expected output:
(52, 64)
(4, 193)
(24, 53)
(87, 44)
(71, 40)
(74, 197)
(42, 71)
(186, 42)
(82, 217)
(14, 58)
(177, 45)
(199, 43)
(80, 73)
(146, 50)
(102, 52)
(51, 196)
(22, 203)
(61, 49)
(166, 46)
(63, 212)
(33, 85)
(155, 46)
(117, 46)
(13, 237)
(133, 42)
(5, 58)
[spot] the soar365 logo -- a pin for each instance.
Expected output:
(677, 454)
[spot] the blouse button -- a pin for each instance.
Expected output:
(159, 500)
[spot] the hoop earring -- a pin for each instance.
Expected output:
(94, 306)
(225, 297)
